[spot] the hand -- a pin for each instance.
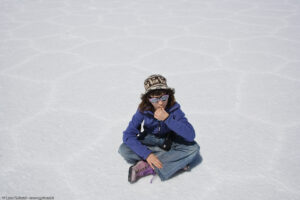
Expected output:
(154, 161)
(161, 114)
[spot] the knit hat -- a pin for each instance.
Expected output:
(154, 82)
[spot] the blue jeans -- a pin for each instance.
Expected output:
(181, 154)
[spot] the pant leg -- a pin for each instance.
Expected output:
(176, 159)
(149, 140)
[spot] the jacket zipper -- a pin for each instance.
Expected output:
(159, 126)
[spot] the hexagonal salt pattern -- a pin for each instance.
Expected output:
(71, 76)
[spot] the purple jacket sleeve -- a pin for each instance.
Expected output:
(178, 123)
(130, 136)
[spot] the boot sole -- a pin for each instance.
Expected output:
(129, 175)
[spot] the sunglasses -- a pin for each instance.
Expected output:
(157, 99)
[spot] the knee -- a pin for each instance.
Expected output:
(187, 149)
(123, 149)
(127, 154)
(193, 149)
(196, 148)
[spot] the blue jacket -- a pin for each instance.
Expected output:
(176, 122)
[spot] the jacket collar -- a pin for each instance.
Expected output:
(174, 107)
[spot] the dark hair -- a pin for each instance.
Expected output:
(146, 105)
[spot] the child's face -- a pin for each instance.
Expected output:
(160, 103)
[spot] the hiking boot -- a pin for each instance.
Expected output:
(140, 169)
